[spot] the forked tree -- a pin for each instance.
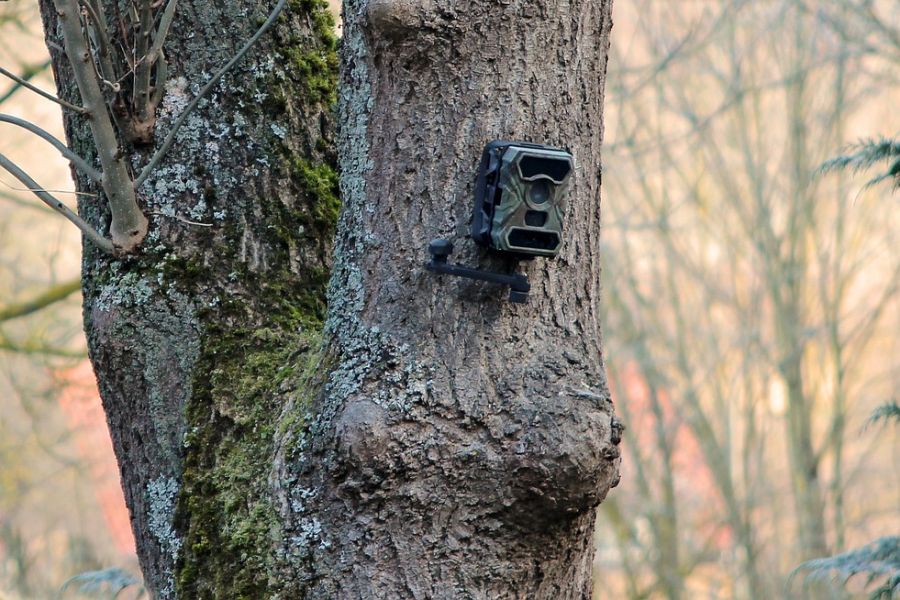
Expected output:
(423, 437)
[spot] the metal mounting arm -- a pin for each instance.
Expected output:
(441, 250)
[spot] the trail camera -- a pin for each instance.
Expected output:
(520, 202)
(520, 198)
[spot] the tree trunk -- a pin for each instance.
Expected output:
(436, 441)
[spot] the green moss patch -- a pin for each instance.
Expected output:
(319, 183)
(260, 336)
(231, 529)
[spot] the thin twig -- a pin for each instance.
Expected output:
(49, 190)
(95, 19)
(182, 219)
(170, 138)
(162, 31)
(30, 72)
(589, 395)
(141, 93)
(129, 225)
(123, 36)
(51, 295)
(159, 79)
(24, 83)
(89, 232)
(79, 162)
(103, 50)
(157, 57)
(5, 196)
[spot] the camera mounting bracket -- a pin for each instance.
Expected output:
(441, 250)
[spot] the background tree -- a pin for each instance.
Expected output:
(697, 516)
(413, 451)
(56, 498)
(752, 307)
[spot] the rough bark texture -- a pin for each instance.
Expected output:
(462, 441)
(198, 340)
(440, 442)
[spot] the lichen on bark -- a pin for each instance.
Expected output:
(231, 527)
(438, 442)
(254, 379)
(203, 339)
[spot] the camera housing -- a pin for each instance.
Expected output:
(520, 198)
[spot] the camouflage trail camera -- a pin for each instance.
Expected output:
(520, 202)
(520, 198)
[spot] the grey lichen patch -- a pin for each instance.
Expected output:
(126, 289)
(177, 348)
(345, 289)
(365, 357)
(206, 348)
(372, 358)
(162, 494)
(178, 187)
(364, 352)
(143, 329)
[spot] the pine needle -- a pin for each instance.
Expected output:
(865, 155)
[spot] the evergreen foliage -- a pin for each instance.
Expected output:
(865, 155)
(885, 412)
(878, 562)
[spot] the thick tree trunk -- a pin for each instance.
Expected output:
(195, 339)
(478, 434)
(439, 442)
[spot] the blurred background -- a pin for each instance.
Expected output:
(752, 315)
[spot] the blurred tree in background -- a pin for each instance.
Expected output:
(61, 508)
(752, 308)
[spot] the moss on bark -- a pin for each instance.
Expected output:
(231, 528)
(258, 348)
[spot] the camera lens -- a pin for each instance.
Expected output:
(539, 192)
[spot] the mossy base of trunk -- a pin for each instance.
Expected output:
(245, 379)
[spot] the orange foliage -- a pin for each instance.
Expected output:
(694, 482)
(80, 403)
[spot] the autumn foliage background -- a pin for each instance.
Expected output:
(751, 303)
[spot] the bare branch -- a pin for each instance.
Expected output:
(79, 162)
(24, 83)
(170, 138)
(149, 84)
(51, 295)
(141, 92)
(107, 68)
(181, 219)
(52, 191)
(162, 31)
(159, 80)
(89, 232)
(129, 225)
(28, 74)
(98, 25)
(22, 203)
(157, 57)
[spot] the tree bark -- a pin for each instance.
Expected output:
(436, 441)
(193, 339)
(478, 431)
